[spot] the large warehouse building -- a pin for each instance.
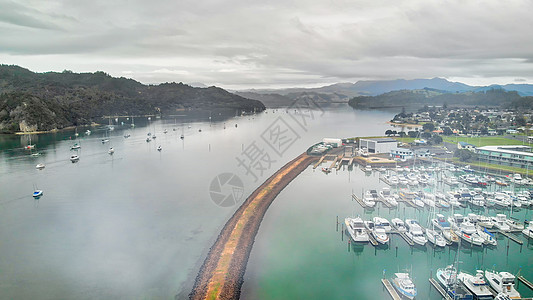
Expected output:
(378, 145)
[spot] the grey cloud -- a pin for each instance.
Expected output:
(239, 42)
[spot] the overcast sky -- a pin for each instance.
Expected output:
(275, 43)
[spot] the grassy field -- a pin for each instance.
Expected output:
(483, 141)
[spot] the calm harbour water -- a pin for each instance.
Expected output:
(139, 223)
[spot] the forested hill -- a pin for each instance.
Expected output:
(493, 97)
(45, 101)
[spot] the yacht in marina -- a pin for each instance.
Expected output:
(382, 223)
(435, 238)
(400, 225)
(447, 277)
(368, 199)
(404, 285)
(476, 284)
(356, 229)
(415, 232)
(503, 282)
(386, 196)
(440, 222)
(468, 232)
(500, 222)
(515, 225)
(528, 231)
(380, 234)
(455, 221)
(487, 236)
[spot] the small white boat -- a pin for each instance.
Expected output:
(105, 141)
(476, 284)
(450, 236)
(368, 199)
(380, 235)
(75, 147)
(356, 229)
(368, 168)
(159, 148)
(515, 225)
(503, 282)
(111, 151)
(500, 222)
(87, 132)
(326, 170)
(399, 224)
(468, 232)
(37, 193)
(435, 238)
(382, 223)
(404, 285)
(40, 166)
(528, 231)
(487, 236)
(127, 135)
(447, 277)
(165, 131)
(74, 158)
(148, 139)
(415, 232)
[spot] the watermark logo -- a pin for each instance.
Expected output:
(226, 189)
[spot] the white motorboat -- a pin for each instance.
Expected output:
(501, 199)
(326, 170)
(447, 277)
(503, 282)
(159, 148)
(368, 199)
(500, 222)
(105, 141)
(435, 238)
(440, 222)
(478, 200)
(87, 132)
(386, 196)
(455, 221)
(515, 225)
(468, 232)
(111, 151)
(487, 236)
(356, 229)
(404, 285)
(418, 202)
(75, 147)
(399, 224)
(415, 232)
(450, 236)
(480, 220)
(148, 139)
(37, 193)
(380, 234)
(74, 158)
(528, 231)
(476, 285)
(40, 166)
(382, 223)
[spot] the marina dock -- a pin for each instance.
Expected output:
(525, 281)
(512, 237)
(439, 289)
(402, 234)
(319, 162)
(372, 239)
(392, 292)
(359, 200)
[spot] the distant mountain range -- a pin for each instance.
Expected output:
(44, 101)
(343, 92)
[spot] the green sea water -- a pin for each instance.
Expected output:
(301, 253)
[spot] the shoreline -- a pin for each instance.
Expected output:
(221, 274)
(51, 131)
(403, 124)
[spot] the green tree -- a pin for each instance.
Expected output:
(428, 127)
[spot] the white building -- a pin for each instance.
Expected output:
(401, 153)
(378, 145)
(333, 142)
